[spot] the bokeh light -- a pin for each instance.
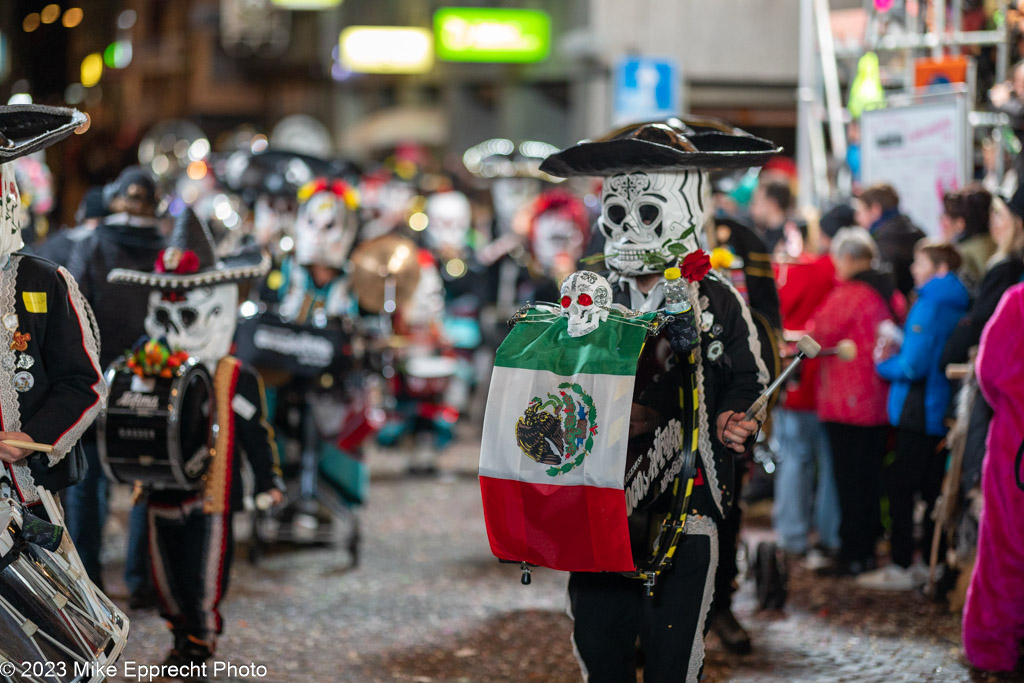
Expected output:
(31, 22)
(72, 17)
(50, 14)
(92, 69)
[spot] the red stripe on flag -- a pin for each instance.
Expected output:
(571, 528)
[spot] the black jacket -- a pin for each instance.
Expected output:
(58, 248)
(120, 309)
(58, 368)
(967, 333)
(896, 237)
(732, 381)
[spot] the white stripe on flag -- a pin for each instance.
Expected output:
(510, 393)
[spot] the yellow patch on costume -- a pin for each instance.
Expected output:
(35, 302)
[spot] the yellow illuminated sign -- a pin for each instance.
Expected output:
(387, 49)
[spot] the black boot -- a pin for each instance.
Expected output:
(176, 657)
(734, 637)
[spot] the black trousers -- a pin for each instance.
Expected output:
(857, 454)
(611, 611)
(190, 554)
(728, 543)
(918, 469)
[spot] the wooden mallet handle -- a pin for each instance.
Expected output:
(30, 446)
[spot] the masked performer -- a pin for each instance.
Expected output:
(558, 234)
(50, 381)
(653, 200)
(193, 303)
(325, 229)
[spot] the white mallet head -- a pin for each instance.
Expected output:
(846, 350)
(808, 347)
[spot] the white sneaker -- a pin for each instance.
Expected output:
(891, 577)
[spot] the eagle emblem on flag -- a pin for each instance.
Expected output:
(558, 430)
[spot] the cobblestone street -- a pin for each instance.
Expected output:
(429, 603)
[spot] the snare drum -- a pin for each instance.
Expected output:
(158, 430)
(55, 625)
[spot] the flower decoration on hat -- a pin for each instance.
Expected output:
(338, 188)
(177, 260)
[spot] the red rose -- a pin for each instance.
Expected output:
(189, 263)
(696, 265)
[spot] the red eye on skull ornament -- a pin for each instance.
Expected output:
(582, 300)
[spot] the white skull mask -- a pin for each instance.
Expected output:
(509, 195)
(556, 236)
(324, 231)
(201, 323)
(644, 214)
(449, 219)
(586, 297)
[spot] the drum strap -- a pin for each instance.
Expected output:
(217, 493)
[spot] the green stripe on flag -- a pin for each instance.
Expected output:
(612, 349)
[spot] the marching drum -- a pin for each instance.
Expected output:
(55, 625)
(147, 427)
(268, 342)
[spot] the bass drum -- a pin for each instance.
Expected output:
(158, 430)
(661, 454)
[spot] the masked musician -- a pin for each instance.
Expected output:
(325, 229)
(193, 303)
(654, 198)
(50, 380)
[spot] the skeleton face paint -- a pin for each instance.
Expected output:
(203, 323)
(324, 231)
(585, 300)
(449, 219)
(642, 214)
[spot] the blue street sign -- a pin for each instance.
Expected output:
(646, 88)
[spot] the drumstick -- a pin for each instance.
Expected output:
(846, 349)
(29, 445)
(808, 348)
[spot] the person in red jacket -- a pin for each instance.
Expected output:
(851, 396)
(805, 489)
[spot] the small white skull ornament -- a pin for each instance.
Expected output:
(586, 298)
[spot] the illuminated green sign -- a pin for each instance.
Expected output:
(470, 34)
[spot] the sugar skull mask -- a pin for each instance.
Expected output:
(450, 218)
(586, 297)
(200, 321)
(650, 219)
(325, 229)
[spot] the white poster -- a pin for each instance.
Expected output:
(921, 151)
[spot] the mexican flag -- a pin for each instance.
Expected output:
(553, 453)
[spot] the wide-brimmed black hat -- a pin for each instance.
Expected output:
(190, 261)
(675, 144)
(27, 128)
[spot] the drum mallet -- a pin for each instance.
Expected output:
(29, 445)
(807, 348)
(846, 350)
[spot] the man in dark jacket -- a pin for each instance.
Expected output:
(877, 210)
(654, 198)
(128, 238)
(50, 381)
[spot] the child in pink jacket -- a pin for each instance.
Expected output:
(993, 624)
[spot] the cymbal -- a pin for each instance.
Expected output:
(384, 259)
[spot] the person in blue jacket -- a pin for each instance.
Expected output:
(919, 395)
